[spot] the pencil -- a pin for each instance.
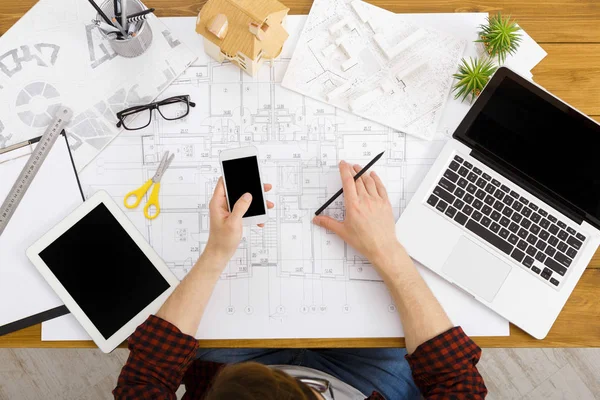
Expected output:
(119, 27)
(117, 8)
(358, 175)
(124, 23)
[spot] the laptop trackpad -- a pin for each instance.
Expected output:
(474, 268)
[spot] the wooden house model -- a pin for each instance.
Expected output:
(245, 32)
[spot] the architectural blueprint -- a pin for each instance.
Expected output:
(55, 54)
(290, 279)
(374, 63)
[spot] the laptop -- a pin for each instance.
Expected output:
(510, 210)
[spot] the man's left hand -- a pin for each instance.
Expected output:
(225, 226)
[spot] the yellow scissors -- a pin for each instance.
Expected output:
(138, 194)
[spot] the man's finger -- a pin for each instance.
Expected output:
(268, 187)
(369, 184)
(220, 188)
(329, 223)
(380, 186)
(219, 199)
(241, 206)
(360, 185)
(270, 204)
(348, 183)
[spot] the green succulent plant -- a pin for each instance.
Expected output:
(472, 77)
(500, 36)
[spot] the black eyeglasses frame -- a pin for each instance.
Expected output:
(121, 115)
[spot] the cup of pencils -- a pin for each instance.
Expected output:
(124, 24)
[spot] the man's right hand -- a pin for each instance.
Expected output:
(369, 227)
(369, 224)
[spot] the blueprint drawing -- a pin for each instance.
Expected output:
(321, 302)
(374, 63)
(55, 55)
(290, 279)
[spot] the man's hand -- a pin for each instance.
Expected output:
(226, 227)
(369, 226)
(187, 303)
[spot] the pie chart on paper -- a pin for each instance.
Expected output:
(37, 103)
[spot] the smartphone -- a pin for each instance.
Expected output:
(241, 174)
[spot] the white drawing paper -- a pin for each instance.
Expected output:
(127, 158)
(375, 64)
(290, 279)
(55, 55)
(465, 26)
(54, 193)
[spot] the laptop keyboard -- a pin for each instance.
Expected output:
(513, 224)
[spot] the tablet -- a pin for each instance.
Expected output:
(104, 270)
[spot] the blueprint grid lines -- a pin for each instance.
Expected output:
(300, 142)
(291, 288)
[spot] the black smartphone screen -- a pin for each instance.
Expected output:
(242, 176)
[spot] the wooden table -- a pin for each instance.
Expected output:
(569, 30)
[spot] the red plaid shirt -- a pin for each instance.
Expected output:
(162, 358)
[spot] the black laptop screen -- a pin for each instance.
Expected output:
(545, 140)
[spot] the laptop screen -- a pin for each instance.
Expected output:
(548, 143)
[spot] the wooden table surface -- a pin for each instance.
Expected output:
(569, 30)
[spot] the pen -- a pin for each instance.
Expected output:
(358, 175)
(100, 12)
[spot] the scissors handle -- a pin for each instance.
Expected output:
(137, 194)
(153, 201)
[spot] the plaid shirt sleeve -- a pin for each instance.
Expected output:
(445, 367)
(159, 356)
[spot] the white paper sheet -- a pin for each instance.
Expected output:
(53, 194)
(263, 304)
(54, 55)
(401, 71)
(475, 319)
(465, 26)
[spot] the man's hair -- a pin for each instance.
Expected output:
(253, 381)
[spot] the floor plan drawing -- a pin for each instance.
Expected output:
(290, 278)
(371, 62)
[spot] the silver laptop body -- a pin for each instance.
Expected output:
(510, 210)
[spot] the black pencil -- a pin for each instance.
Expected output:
(117, 7)
(358, 175)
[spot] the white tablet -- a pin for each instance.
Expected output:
(104, 271)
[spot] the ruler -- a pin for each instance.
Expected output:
(36, 159)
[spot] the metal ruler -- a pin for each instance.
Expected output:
(36, 159)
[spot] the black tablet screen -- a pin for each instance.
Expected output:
(104, 270)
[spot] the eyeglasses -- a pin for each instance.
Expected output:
(139, 117)
(321, 386)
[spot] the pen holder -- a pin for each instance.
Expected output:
(128, 47)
